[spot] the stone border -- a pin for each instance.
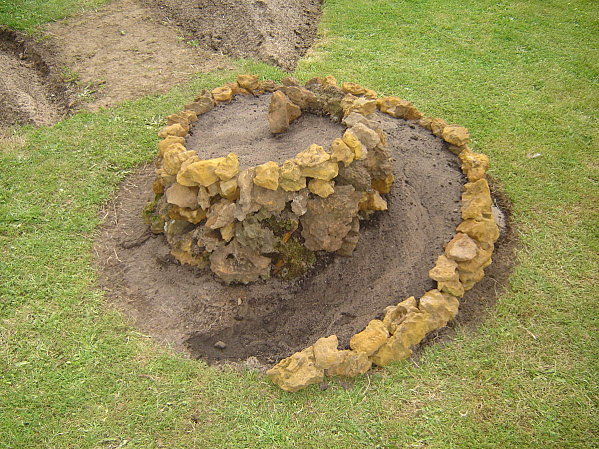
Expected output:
(465, 256)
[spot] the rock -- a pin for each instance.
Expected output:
(476, 200)
(444, 270)
(325, 171)
(297, 371)
(370, 339)
(461, 248)
(234, 263)
(353, 363)
(454, 288)
(228, 232)
(472, 271)
(255, 236)
(497, 214)
(350, 241)
(248, 82)
(383, 185)
(394, 315)
(300, 96)
(245, 204)
(228, 167)
(456, 135)
(220, 345)
(367, 136)
(353, 118)
(158, 186)
(290, 177)
(364, 106)
(209, 239)
(326, 353)
(270, 200)
(267, 175)
(182, 196)
(290, 81)
(183, 213)
(267, 86)
(396, 107)
(483, 231)
(328, 220)
(299, 202)
(168, 141)
(353, 88)
(352, 141)
(228, 189)
(199, 173)
(173, 130)
(474, 165)
(222, 94)
(437, 126)
(174, 157)
(373, 201)
(425, 122)
(281, 112)
(321, 188)
(313, 156)
(201, 105)
(221, 214)
(378, 162)
(441, 307)
(181, 118)
(356, 175)
(340, 152)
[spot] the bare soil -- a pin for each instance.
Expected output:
(124, 51)
(190, 310)
(277, 32)
(31, 91)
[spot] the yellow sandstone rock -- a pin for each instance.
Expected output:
(290, 177)
(228, 167)
(383, 185)
(353, 363)
(167, 142)
(396, 107)
(326, 354)
(199, 173)
(370, 339)
(321, 188)
(361, 105)
(461, 248)
(267, 175)
(353, 88)
(441, 307)
(249, 82)
(297, 371)
(373, 201)
(281, 112)
(474, 165)
(483, 231)
(456, 135)
(183, 213)
(174, 157)
(222, 94)
(445, 272)
(173, 130)
(352, 141)
(394, 315)
(182, 196)
(312, 156)
(228, 189)
(437, 126)
(228, 232)
(324, 171)
(476, 200)
(340, 152)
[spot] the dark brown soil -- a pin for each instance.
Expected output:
(277, 32)
(124, 51)
(31, 91)
(191, 310)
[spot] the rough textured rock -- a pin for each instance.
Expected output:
(328, 220)
(461, 248)
(270, 200)
(483, 231)
(182, 196)
(297, 371)
(353, 363)
(367, 136)
(313, 156)
(396, 107)
(251, 234)
(324, 171)
(173, 130)
(373, 201)
(234, 263)
(361, 105)
(221, 214)
(371, 338)
(441, 307)
(183, 213)
(474, 165)
(227, 167)
(383, 185)
(350, 241)
(199, 173)
(281, 112)
(394, 315)
(326, 353)
(352, 141)
(321, 188)
(340, 152)
(456, 135)
(354, 118)
(476, 200)
(222, 94)
(267, 175)
(174, 156)
(249, 82)
(290, 177)
(167, 142)
(437, 126)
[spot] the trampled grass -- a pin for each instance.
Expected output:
(521, 75)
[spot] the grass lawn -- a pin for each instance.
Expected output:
(522, 75)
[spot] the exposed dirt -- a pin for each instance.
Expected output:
(31, 92)
(124, 51)
(191, 310)
(278, 32)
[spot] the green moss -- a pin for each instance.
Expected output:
(295, 259)
(280, 226)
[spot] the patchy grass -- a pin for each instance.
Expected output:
(521, 75)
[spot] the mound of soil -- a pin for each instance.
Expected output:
(277, 32)
(192, 310)
(124, 51)
(31, 92)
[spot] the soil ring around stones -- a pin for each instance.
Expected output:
(192, 311)
(31, 89)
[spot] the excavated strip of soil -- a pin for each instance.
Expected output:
(277, 32)
(191, 310)
(30, 92)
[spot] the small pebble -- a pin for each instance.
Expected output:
(220, 345)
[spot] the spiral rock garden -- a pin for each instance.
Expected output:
(249, 222)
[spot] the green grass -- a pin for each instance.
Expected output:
(521, 75)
